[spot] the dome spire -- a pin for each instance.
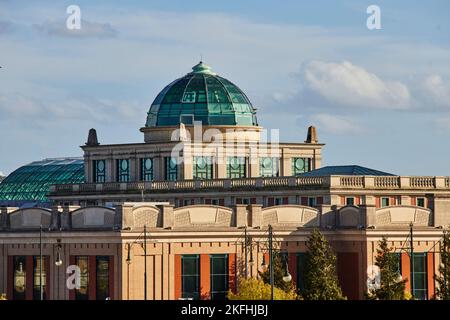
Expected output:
(202, 68)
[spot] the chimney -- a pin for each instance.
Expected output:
(312, 135)
(92, 138)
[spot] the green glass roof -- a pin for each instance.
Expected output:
(31, 183)
(202, 96)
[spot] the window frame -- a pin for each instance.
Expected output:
(184, 294)
(99, 176)
(226, 276)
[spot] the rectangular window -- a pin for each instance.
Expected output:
(243, 201)
(236, 167)
(300, 165)
(301, 269)
(385, 202)
(83, 292)
(269, 167)
(37, 277)
(147, 169)
(219, 276)
(203, 168)
(171, 169)
(19, 278)
(420, 276)
(278, 201)
(312, 202)
(190, 276)
(123, 170)
(215, 202)
(102, 277)
(420, 202)
(99, 171)
(350, 201)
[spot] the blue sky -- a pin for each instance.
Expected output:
(379, 98)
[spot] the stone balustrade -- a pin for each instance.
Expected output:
(332, 182)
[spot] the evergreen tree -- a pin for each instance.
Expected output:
(279, 271)
(391, 287)
(443, 279)
(321, 281)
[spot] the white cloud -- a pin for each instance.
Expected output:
(15, 106)
(438, 90)
(88, 29)
(2, 174)
(335, 124)
(349, 85)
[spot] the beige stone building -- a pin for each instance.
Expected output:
(197, 190)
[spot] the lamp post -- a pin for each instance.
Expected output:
(41, 291)
(271, 261)
(144, 247)
(246, 244)
(411, 260)
(270, 248)
(145, 262)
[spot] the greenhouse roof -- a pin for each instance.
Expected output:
(31, 183)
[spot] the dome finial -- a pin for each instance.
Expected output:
(202, 68)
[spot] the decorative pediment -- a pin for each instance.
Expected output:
(290, 215)
(31, 218)
(349, 216)
(403, 215)
(203, 215)
(148, 216)
(93, 217)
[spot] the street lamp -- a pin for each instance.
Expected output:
(58, 260)
(128, 260)
(41, 291)
(287, 276)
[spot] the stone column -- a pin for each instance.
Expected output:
(167, 216)
(241, 215)
(256, 218)
(441, 211)
(369, 215)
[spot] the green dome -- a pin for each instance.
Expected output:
(201, 96)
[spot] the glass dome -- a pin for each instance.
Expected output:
(31, 183)
(201, 95)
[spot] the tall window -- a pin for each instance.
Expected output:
(385, 202)
(171, 169)
(420, 276)
(301, 269)
(37, 278)
(102, 277)
(83, 292)
(350, 201)
(269, 167)
(219, 276)
(312, 201)
(146, 169)
(123, 170)
(203, 168)
(99, 171)
(420, 202)
(236, 167)
(19, 278)
(190, 276)
(300, 165)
